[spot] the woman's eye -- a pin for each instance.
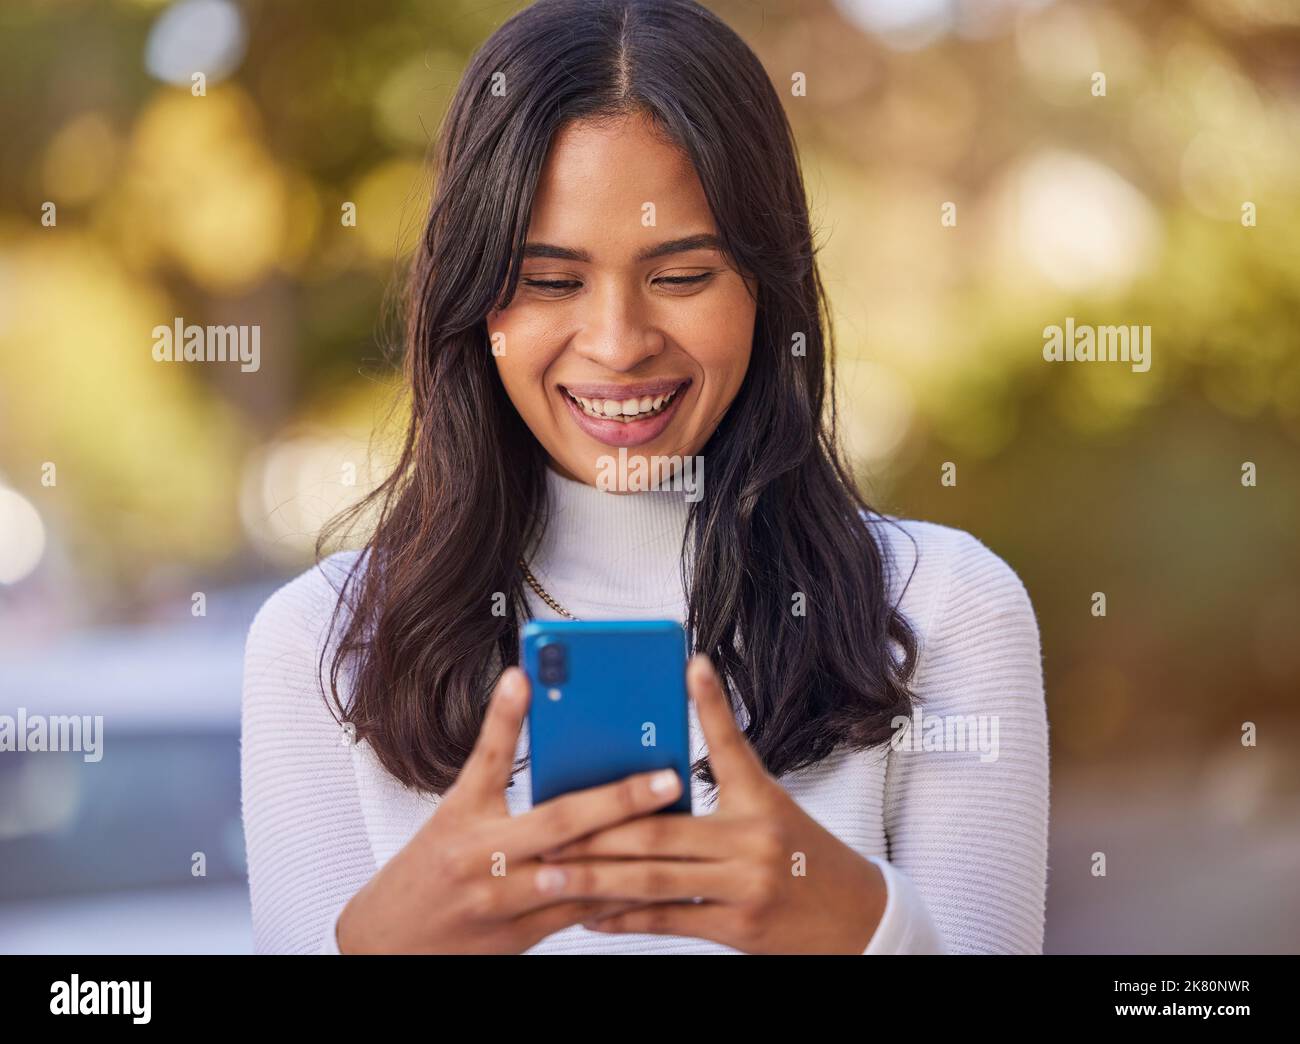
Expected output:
(560, 287)
(684, 281)
(553, 286)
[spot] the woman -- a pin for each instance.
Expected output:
(618, 258)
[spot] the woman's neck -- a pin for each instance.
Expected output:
(611, 555)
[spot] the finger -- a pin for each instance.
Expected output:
(730, 755)
(566, 818)
(658, 837)
(554, 918)
(698, 920)
(487, 770)
(521, 893)
(642, 880)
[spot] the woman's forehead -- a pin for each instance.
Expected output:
(603, 180)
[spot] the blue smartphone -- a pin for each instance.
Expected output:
(608, 701)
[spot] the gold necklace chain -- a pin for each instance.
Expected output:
(542, 593)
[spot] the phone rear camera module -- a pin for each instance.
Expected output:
(552, 664)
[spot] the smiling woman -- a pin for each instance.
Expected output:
(625, 277)
(618, 256)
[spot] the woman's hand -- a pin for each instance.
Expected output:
(768, 877)
(470, 880)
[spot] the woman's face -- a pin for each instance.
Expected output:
(629, 328)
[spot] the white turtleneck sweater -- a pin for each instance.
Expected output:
(960, 837)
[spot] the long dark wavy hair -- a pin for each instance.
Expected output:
(780, 514)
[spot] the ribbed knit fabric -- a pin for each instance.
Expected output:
(960, 837)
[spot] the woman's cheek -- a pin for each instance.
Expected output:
(522, 366)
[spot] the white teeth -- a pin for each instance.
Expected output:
(623, 409)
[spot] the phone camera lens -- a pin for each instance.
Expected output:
(551, 664)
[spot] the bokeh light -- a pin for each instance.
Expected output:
(22, 537)
(196, 36)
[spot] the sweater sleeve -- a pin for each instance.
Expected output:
(906, 925)
(967, 819)
(305, 837)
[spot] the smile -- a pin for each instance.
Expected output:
(624, 409)
(625, 414)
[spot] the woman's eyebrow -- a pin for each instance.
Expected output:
(702, 241)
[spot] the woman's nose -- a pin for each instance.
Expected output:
(617, 332)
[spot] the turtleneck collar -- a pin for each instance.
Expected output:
(611, 555)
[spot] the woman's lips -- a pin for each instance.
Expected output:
(630, 432)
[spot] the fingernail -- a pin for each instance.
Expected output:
(664, 782)
(510, 683)
(550, 879)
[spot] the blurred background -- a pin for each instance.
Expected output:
(1123, 207)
